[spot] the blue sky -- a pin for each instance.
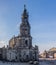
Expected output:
(42, 18)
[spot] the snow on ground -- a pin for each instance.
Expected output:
(42, 62)
(11, 63)
(47, 62)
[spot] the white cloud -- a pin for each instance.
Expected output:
(2, 43)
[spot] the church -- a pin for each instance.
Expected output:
(20, 47)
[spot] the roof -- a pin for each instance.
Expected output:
(53, 49)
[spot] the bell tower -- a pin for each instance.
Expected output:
(25, 26)
(26, 38)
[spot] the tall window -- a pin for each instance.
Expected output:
(26, 42)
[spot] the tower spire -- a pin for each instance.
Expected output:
(25, 13)
(25, 26)
(24, 6)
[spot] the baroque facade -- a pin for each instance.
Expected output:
(51, 53)
(20, 47)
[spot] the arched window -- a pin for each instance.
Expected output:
(16, 57)
(26, 42)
